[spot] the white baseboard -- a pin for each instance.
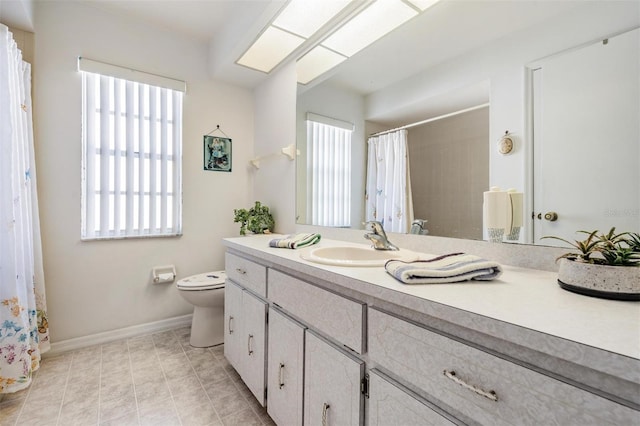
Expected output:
(122, 333)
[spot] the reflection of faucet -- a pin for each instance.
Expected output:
(378, 237)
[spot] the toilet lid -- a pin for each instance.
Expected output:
(206, 281)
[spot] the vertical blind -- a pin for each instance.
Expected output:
(132, 141)
(329, 168)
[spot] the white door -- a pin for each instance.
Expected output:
(252, 368)
(232, 324)
(285, 369)
(586, 139)
(390, 405)
(332, 379)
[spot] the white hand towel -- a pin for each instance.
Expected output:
(449, 268)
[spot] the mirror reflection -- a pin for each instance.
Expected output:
(455, 91)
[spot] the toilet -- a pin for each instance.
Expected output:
(206, 293)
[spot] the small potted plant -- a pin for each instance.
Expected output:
(603, 265)
(257, 219)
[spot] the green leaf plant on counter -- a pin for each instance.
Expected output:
(603, 265)
(257, 219)
(622, 249)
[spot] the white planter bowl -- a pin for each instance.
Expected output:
(609, 282)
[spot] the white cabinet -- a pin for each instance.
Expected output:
(245, 337)
(285, 369)
(332, 393)
(232, 329)
(390, 404)
(480, 385)
(311, 304)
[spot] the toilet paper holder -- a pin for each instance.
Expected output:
(164, 274)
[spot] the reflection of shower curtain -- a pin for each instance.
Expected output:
(388, 192)
(23, 324)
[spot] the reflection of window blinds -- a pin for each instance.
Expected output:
(132, 135)
(329, 168)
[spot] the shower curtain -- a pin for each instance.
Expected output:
(23, 320)
(388, 192)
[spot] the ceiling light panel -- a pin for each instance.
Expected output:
(270, 49)
(372, 23)
(305, 17)
(318, 61)
(423, 4)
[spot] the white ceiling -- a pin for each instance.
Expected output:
(448, 29)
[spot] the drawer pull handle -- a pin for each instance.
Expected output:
(487, 394)
(325, 410)
(230, 329)
(241, 271)
(249, 348)
(281, 379)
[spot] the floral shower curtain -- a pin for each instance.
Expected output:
(23, 319)
(388, 191)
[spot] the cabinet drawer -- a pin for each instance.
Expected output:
(247, 273)
(484, 387)
(389, 404)
(336, 316)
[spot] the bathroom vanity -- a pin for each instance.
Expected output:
(334, 345)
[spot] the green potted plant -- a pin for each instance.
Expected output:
(603, 265)
(257, 219)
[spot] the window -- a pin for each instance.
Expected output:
(132, 144)
(329, 166)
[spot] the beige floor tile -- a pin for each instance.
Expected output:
(9, 411)
(115, 408)
(199, 415)
(86, 414)
(152, 390)
(116, 391)
(242, 418)
(220, 388)
(229, 404)
(162, 412)
(43, 414)
(126, 419)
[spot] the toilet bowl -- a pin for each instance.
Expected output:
(206, 293)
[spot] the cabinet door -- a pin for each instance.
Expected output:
(254, 325)
(233, 324)
(331, 385)
(390, 405)
(285, 369)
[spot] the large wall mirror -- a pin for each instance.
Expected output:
(461, 75)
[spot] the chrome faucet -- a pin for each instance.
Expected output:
(377, 236)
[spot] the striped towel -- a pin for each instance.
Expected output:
(295, 240)
(448, 268)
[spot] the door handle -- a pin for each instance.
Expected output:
(551, 216)
(325, 410)
(230, 329)
(281, 378)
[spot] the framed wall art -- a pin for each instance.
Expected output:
(217, 153)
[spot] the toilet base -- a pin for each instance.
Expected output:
(207, 327)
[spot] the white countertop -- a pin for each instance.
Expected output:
(523, 297)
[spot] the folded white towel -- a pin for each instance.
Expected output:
(449, 268)
(295, 241)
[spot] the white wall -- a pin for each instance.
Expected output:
(275, 128)
(105, 285)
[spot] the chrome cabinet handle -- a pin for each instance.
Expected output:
(241, 271)
(492, 395)
(230, 329)
(281, 380)
(249, 344)
(325, 409)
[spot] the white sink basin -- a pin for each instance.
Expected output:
(355, 256)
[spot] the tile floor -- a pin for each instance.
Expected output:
(156, 379)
